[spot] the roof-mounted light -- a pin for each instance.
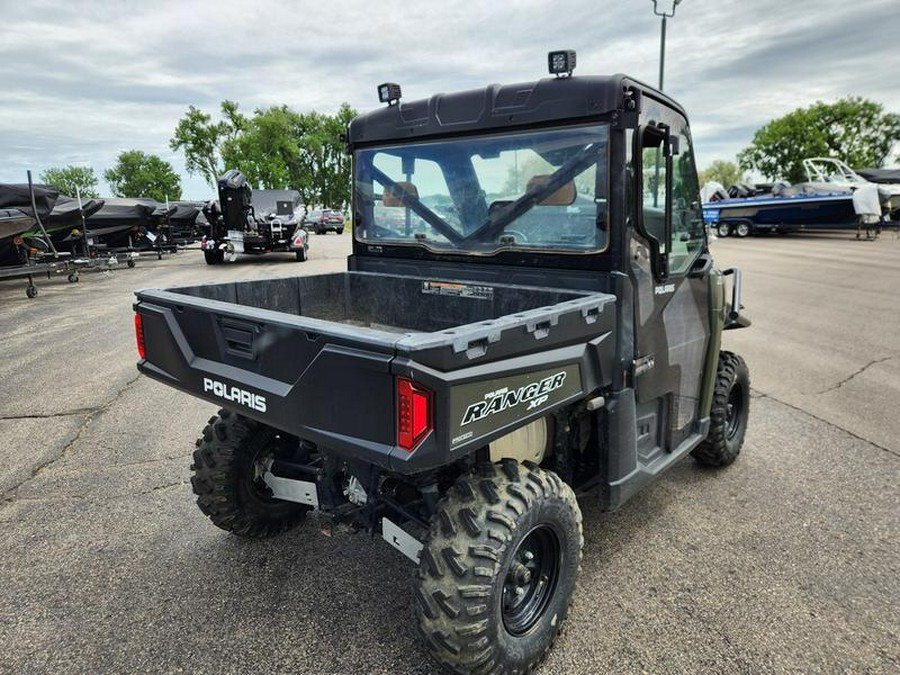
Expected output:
(389, 93)
(561, 63)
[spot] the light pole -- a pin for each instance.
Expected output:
(662, 38)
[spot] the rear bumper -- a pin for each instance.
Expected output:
(335, 384)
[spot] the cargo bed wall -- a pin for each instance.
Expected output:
(381, 301)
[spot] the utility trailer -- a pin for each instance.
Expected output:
(531, 313)
(31, 271)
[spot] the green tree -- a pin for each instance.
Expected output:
(275, 148)
(201, 139)
(336, 184)
(137, 174)
(266, 148)
(853, 129)
(72, 180)
(279, 148)
(724, 172)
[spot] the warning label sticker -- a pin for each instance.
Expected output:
(458, 290)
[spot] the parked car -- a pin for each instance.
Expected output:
(322, 220)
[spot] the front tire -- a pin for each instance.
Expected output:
(729, 413)
(301, 255)
(228, 466)
(498, 569)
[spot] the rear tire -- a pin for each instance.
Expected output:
(498, 568)
(729, 413)
(723, 230)
(228, 465)
(742, 230)
(214, 257)
(339, 230)
(301, 255)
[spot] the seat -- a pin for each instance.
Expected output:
(562, 197)
(394, 194)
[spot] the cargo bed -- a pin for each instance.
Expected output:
(399, 303)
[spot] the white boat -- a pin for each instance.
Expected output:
(832, 171)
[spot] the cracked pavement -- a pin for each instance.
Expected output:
(788, 561)
(860, 371)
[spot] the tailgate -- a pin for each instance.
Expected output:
(316, 379)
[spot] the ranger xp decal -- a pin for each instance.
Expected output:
(533, 393)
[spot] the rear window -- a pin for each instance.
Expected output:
(542, 190)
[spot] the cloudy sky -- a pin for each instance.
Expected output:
(84, 80)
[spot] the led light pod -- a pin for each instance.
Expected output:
(561, 62)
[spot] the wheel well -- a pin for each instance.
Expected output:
(577, 439)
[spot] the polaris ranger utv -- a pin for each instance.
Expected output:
(530, 314)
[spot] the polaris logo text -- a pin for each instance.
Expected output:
(253, 401)
(535, 394)
(665, 289)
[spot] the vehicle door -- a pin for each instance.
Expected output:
(669, 261)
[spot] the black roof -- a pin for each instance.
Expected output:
(497, 106)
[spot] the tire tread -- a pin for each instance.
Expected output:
(459, 636)
(715, 450)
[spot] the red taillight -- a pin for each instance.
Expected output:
(139, 334)
(413, 413)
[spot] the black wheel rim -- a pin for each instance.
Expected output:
(531, 580)
(734, 412)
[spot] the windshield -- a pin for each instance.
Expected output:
(543, 190)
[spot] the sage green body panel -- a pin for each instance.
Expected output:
(716, 325)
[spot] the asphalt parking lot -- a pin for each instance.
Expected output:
(787, 561)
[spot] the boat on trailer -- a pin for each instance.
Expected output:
(786, 209)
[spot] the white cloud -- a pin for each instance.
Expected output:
(87, 80)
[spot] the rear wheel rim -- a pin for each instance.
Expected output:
(531, 580)
(734, 412)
